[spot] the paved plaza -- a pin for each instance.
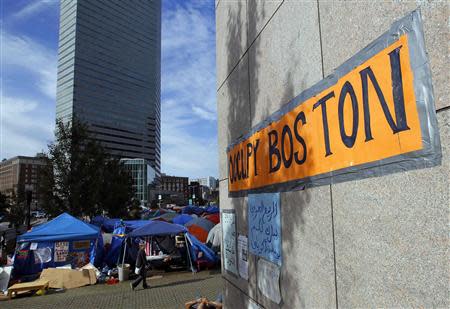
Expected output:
(171, 290)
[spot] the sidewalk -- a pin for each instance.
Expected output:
(170, 291)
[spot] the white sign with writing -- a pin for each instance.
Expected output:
(269, 280)
(243, 256)
(264, 226)
(61, 251)
(229, 241)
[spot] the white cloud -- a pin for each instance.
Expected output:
(26, 124)
(34, 7)
(27, 54)
(188, 49)
(23, 130)
(185, 154)
(188, 91)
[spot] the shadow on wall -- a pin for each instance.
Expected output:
(240, 116)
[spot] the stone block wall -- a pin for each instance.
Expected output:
(376, 242)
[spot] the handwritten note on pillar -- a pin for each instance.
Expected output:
(229, 241)
(269, 280)
(264, 226)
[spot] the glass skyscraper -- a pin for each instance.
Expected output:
(144, 178)
(109, 73)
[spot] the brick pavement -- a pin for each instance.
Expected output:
(170, 291)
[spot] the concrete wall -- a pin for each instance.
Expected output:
(375, 242)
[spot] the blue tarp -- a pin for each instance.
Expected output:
(182, 219)
(131, 225)
(63, 227)
(98, 220)
(192, 210)
(196, 246)
(157, 228)
(212, 210)
(82, 244)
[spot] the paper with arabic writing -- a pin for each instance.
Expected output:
(264, 226)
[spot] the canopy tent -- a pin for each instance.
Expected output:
(153, 229)
(182, 219)
(63, 227)
(157, 228)
(63, 240)
(199, 227)
(131, 225)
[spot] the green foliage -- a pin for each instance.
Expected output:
(4, 203)
(81, 178)
(14, 207)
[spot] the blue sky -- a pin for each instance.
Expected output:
(29, 47)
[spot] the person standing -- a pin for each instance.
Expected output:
(141, 270)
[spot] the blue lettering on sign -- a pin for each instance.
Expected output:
(264, 226)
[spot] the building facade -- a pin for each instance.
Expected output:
(174, 189)
(20, 174)
(144, 178)
(208, 181)
(380, 241)
(109, 64)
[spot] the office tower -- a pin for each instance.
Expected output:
(109, 73)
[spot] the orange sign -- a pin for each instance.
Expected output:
(369, 114)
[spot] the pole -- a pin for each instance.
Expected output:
(189, 254)
(29, 195)
(125, 252)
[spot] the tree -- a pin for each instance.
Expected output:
(116, 193)
(81, 178)
(4, 203)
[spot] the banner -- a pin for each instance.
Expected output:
(375, 115)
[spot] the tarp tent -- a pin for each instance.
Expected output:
(192, 210)
(63, 240)
(157, 228)
(182, 219)
(195, 246)
(212, 209)
(153, 229)
(168, 217)
(199, 227)
(215, 236)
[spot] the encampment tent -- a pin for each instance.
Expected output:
(157, 228)
(61, 241)
(182, 219)
(200, 227)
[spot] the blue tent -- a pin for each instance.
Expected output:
(197, 246)
(63, 240)
(157, 228)
(192, 210)
(130, 225)
(63, 227)
(182, 219)
(212, 210)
